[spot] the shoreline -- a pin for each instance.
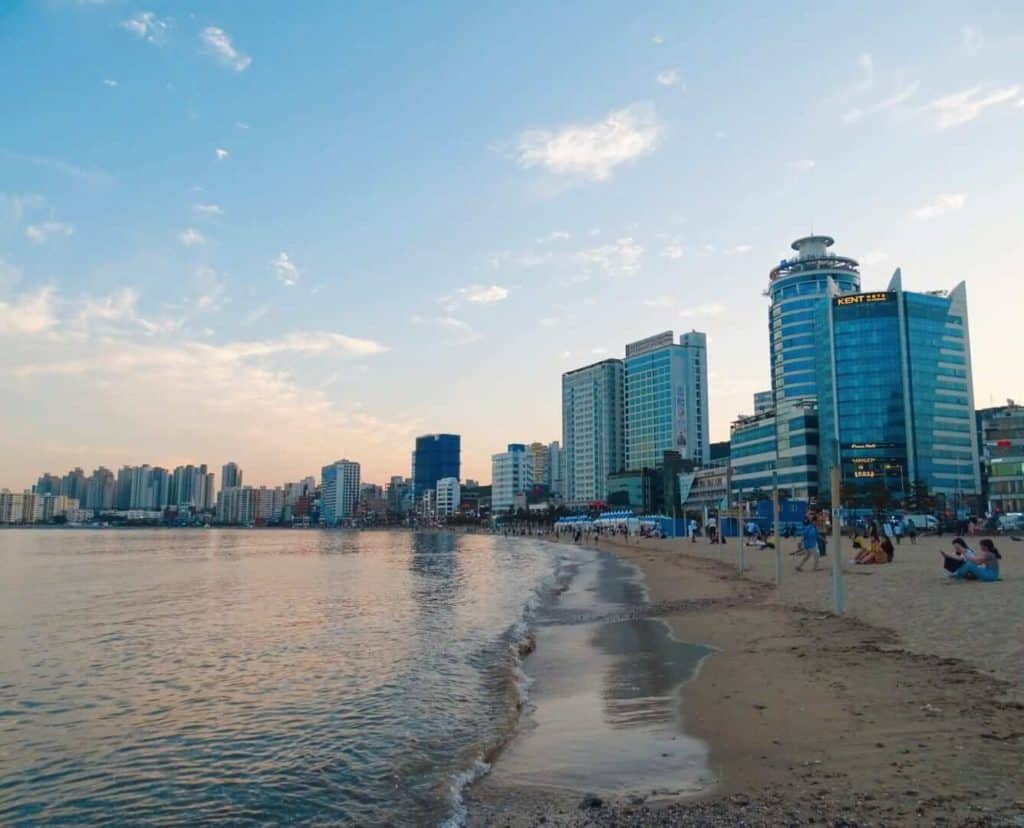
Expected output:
(808, 717)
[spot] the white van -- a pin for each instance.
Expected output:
(923, 523)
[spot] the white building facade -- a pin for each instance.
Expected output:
(511, 474)
(593, 431)
(448, 493)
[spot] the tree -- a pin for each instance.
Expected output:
(921, 499)
(879, 496)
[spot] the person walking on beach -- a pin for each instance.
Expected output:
(911, 528)
(809, 543)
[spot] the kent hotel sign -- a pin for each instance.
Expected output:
(863, 299)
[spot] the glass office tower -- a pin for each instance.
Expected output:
(897, 401)
(797, 288)
(592, 429)
(666, 399)
(436, 457)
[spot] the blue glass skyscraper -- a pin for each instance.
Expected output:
(797, 288)
(897, 403)
(436, 456)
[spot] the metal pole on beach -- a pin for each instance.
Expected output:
(775, 528)
(740, 540)
(837, 536)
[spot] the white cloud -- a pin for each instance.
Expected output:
(190, 237)
(1020, 103)
(972, 38)
(113, 84)
(285, 270)
(942, 204)
(708, 309)
(462, 332)
(962, 107)
(115, 307)
(211, 290)
(39, 233)
(553, 236)
(30, 313)
(592, 150)
(221, 153)
(804, 165)
(668, 77)
(241, 125)
(207, 209)
(622, 257)
(218, 43)
(657, 39)
(14, 206)
(147, 26)
(873, 257)
(902, 95)
(672, 251)
(481, 295)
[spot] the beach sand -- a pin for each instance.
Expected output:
(907, 711)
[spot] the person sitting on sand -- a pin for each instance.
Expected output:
(873, 552)
(970, 565)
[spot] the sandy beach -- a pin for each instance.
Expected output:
(908, 710)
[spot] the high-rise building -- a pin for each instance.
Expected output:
(48, 484)
(556, 469)
(73, 485)
(763, 402)
(101, 490)
(399, 493)
(192, 487)
(511, 474)
(666, 399)
(539, 451)
(593, 429)
(896, 398)
(230, 475)
(1002, 446)
(797, 287)
(447, 497)
(339, 491)
(436, 456)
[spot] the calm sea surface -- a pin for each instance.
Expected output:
(242, 677)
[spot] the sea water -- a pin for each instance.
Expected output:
(167, 677)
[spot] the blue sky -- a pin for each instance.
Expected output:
(286, 233)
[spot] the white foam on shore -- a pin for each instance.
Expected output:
(461, 781)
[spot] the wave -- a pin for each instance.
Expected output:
(521, 640)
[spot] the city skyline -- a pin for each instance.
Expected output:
(224, 240)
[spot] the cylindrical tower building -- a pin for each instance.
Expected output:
(796, 287)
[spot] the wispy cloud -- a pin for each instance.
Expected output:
(218, 43)
(147, 26)
(90, 176)
(113, 84)
(211, 290)
(672, 251)
(190, 237)
(483, 295)
(15, 206)
(30, 313)
(620, 258)
(942, 204)
(804, 165)
(221, 153)
(707, 309)
(553, 236)
(972, 38)
(592, 150)
(901, 96)
(285, 270)
(39, 233)
(207, 209)
(866, 69)
(657, 39)
(668, 77)
(963, 107)
(459, 331)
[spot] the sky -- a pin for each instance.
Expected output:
(283, 234)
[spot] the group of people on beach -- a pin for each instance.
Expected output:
(966, 564)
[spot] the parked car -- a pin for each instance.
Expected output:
(1011, 522)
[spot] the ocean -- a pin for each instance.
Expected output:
(166, 677)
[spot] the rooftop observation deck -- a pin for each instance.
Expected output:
(813, 255)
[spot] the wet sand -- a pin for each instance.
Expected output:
(808, 718)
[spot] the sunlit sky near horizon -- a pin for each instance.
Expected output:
(283, 234)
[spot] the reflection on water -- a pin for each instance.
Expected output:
(606, 701)
(252, 677)
(640, 683)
